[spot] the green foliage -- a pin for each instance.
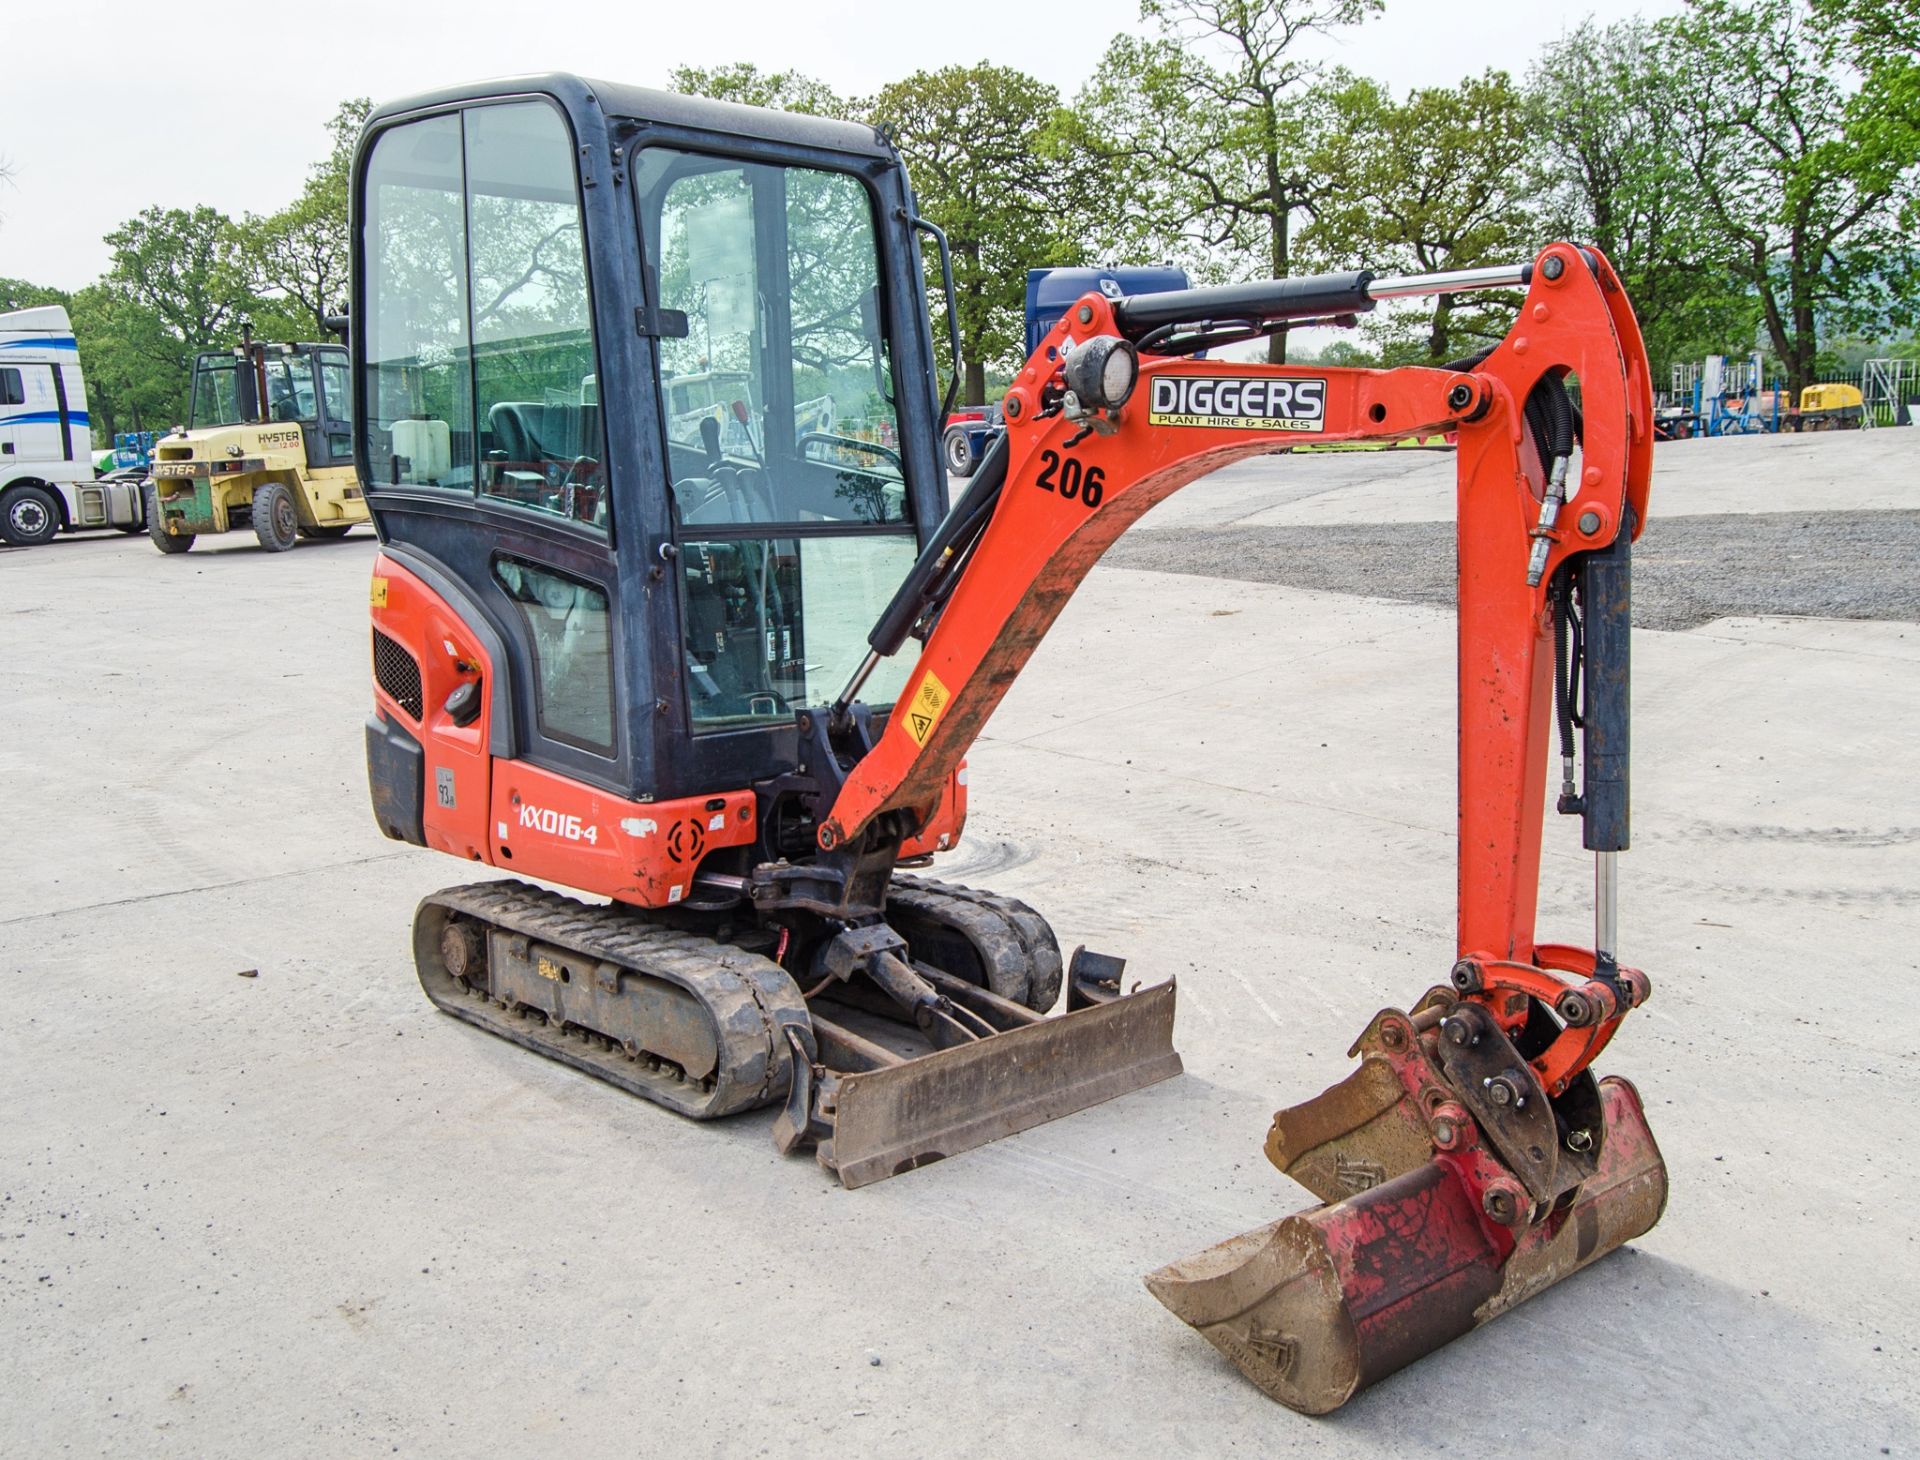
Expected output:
(1608, 106)
(19, 294)
(1749, 166)
(185, 265)
(1346, 352)
(987, 149)
(747, 84)
(1805, 182)
(1880, 41)
(1443, 180)
(134, 379)
(123, 387)
(176, 284)
(298, 256)
(1204, 132)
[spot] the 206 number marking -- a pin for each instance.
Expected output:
(1066, 476)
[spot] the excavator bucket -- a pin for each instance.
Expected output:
(1424, 1235)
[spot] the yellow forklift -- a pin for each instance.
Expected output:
(268, 443)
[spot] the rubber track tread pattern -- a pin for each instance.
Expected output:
(748, 997)
(1016, 946)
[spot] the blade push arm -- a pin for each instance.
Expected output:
(1069, 491)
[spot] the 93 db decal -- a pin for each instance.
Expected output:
(1239, 402)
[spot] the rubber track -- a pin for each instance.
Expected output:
(1018, 948)
(748, 997)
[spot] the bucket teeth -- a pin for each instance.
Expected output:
(1317, 1306)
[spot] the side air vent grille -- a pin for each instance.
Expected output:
(398, 673)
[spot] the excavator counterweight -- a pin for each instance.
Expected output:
(672, 609)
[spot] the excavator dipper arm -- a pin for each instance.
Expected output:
(1472, 1159)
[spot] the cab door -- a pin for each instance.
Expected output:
(33, 417)
(484, 464)
(13, 399)
(332, 434)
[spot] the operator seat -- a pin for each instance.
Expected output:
(511, 424)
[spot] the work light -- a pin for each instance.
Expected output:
(1101, 372)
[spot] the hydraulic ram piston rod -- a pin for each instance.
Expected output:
(1305, 296)
(1451, 281)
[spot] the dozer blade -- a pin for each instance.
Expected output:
(1317, 1306)
(886, 1121)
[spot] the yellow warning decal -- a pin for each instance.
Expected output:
(377, 593)
(921, 713)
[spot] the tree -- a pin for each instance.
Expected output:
(1879, 39)
(1608, 109)
(1440, 181)
(177, 284)
(185, 265)
(135, 379)
(300, 253)
(984, 147)
(1804, 177)
(746, 83)
(19, 294)
(1207, 125)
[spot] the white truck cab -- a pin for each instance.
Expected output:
(47, 481)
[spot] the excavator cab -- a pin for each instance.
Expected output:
(680, 559)
(649, 416)
(647, 411)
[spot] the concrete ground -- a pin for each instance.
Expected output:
(304, 1214)
(1823, 526)
(1826, 471)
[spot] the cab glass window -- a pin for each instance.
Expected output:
(776, 381)
(334, 375)
(777, 401)
(419, 385)
(566, 622)
(12, 388)
(481, 363)
(290, 395)
(774, 625)
(536, 387)
(333, 384)
(216, 393)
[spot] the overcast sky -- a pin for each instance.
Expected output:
(109, 107)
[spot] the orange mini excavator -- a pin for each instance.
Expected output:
(648, 421)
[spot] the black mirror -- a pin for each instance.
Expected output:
(463, 704)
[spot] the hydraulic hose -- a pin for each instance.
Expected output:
(1567, 654)
(1550, 418)
(930, 579)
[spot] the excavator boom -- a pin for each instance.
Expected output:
(1473, 1159)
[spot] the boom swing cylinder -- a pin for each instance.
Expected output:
(1472, 1159)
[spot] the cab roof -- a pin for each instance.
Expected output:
(669, 108)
